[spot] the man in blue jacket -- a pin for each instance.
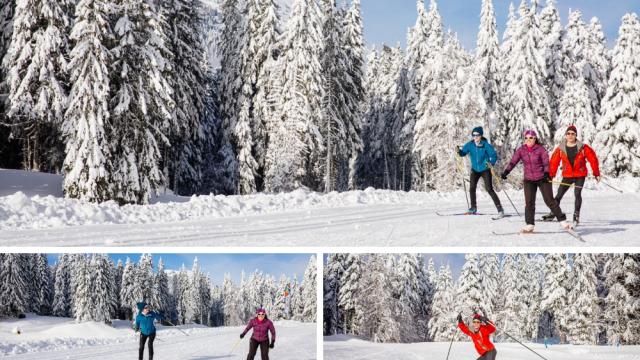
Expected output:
(144, 324)
(482, 154)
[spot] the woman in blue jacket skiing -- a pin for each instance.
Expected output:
(482, 154)
(144, 324)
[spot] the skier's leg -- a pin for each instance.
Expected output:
(562, 189)
(530, 190)
(488, 185)
(152, 337)
(143, 340)
(492, 354)
(264, 350)
(473, 183)
(253, 348)
(578, 193)
(547, 195)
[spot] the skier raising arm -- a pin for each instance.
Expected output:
(261, 327)
(482, 154)
(144, 324)
(482, 328)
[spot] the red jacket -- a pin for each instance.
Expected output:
(579, 166)
(481, 338)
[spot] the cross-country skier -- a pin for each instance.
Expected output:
(144, 324)
(573, 155)
(479, 334)
(482, 154)
(535, 159)
(261, 327)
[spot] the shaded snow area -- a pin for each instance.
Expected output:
(61, 338)
(340, 347)
(303, 218)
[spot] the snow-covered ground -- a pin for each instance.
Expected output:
(301, 218)
(54, 338)
(344, 347)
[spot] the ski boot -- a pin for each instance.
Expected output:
(566, 225)
(576, 220)
(548, 217)
(527, 229)
(500, 212)
(471, 211)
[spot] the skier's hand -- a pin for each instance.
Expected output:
(460, 318)
(272, 345)
(504, 175)
(242, 336)
(546, 177)
(484, 319)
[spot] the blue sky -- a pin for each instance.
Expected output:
(388, 20)
(219, 264)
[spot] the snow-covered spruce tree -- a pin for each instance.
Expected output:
(44, 295)
(443, 311)
(144, 280)
(333, 274)
(427, 277)
(62, 290)
(161, 289)
(524, 98)
(599, 59)
(409, 299)
(512, 297)
(9, 151)
(7, 10)
(350, 291)
(469, 291)
(295, 149)
(378, 322)
(141, 101)
(554, 53)
(619, 125)
(82, 291)
(616, 301)
(555, 295)
(129, 289)
(88, 161)
(309, 291)
(490, 280)
(632, 308)
(182, 295)
(14, 290)
(402, 131)
(575, 44)
(100, 285)
(117, 279)
(487, 58)
(583, 300)
(530, 282)
(194, 302)
(575, 108)
(35, 73)
(280, 309)
(184, 23)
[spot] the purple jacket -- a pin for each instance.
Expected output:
(534, 159)
(260, 329)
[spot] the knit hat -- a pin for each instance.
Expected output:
(477, 130)
(530, 133)
(477, 316)
(260, 311)
(572, 128)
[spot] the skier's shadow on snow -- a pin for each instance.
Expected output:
(594, 227)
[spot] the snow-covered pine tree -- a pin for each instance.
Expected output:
(530, 283)
(469, 291)
(309, 291)
(402, 131)
(487, 59)
(599, 60)
(296, 147)
(141, 101)
(554, 53)
(619, 125)
(512, 297)
(409, 300)
(333, 274)
(161, 289)
(575, 44)
(35, 72)
(82, 291)
(129, 289)
(555, 295)
(182, 296)
(525, 100)
(117, 279)
(575, 108)
(14, 290)
(350, 290)
(100, 285)
(6, 29)
(231, 309)
(427, 277)
(88, 161)
(632, 308)
(616, 301)
(490, 280)
(194, 301)
(145, 280)
(43, 282)
(583, 311)
(62, 290)
(280, 309)
(442, 309)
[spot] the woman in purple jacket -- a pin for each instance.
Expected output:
(260, 337)
(535, 159)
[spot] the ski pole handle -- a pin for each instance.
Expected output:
(565, 184)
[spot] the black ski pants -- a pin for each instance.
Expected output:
(489, 355)
(577, 191)
(488, 185)
(530, 191)
(143, 339)
(253, 348)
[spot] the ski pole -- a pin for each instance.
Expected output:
(234, 346)
(461, 169)
(172, 324)
(493, 173)
(604, 182)
(453, 336)
(519, 342)
(565, 184)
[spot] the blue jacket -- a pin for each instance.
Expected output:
(480, 154)
(145, 322)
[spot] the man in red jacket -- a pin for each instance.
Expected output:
(573, 155)
(482, 328)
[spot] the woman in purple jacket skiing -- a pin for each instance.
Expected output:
(535, 159)
(260, 337)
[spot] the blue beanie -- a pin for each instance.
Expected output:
(478, 130)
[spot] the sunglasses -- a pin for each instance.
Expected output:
(571, 133)
(476, 135)
(261, 314)
(476, 322)
(529, 138)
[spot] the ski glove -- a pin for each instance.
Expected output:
(460, 318)
(272, 345)
(484, 319)
(504, 175)
(242, 336)
(546, 177)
